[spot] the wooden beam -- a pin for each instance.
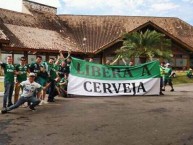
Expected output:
(188, 61)
(3, 41)
(103, 58)
(12, 54)
(0, 52)
(47, 57)
(18, 49)
(26, 56)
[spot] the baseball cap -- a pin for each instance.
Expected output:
(167, 64)
(32, 75)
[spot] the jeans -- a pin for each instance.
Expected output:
(32, 100)
(8, 93)
(52, 90)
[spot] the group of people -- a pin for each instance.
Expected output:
(43, 78)
(166, 76)
(48, 77)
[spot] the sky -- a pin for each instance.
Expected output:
(182, 9)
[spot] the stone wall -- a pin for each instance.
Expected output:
(39, 7)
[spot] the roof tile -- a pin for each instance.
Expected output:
(102, 30)
(80, 33)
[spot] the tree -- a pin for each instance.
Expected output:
(145, 45)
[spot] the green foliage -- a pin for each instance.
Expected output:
(148, 44)
(181, 78)
(1, 87)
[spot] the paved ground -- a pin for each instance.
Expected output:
(150, 120)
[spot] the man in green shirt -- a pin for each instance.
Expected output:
(51, 68)
(35, 68)
(168, 77)
(9, 71)
(62, 86)
(21, 72)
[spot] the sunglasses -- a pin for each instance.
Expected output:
(23, 60)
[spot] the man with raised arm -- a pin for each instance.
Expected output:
(9, 71)
(54, 68)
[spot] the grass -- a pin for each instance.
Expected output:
(1, 87)
(179, 79)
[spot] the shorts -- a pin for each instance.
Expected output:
(168, 81)
(42, 81)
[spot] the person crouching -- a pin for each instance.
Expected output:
(29, 87)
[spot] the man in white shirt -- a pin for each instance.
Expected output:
(29, 88)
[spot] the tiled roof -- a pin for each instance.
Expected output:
(37, 31)
(3, 37)
(102, 30)
(36, 38)
(92, 32)
(87, 34)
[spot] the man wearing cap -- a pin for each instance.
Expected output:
(21, 72)
(168, 77)
(29, 87)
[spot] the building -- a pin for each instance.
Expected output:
(40, 31)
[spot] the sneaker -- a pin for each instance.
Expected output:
(171, 90)
(41, 103)
(25, 105)
(45, 102)
(32, 108)
(3, 111)
(10, 104)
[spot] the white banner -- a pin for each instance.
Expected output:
(92, 87)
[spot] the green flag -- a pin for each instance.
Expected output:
(93, 79)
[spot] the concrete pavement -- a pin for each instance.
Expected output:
(1, 94)
(140, 120)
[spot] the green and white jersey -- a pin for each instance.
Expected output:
(162, 71)
(29, 88)
(47, 66)
(51, 69)
(168, 72)
(35, 68)
(63, 80)
(22, 76)
(8, 71)
(53, 72)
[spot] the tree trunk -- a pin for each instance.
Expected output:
(143, 59)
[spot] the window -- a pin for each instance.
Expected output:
(17, 58)
(31, 58)
(4, 57)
